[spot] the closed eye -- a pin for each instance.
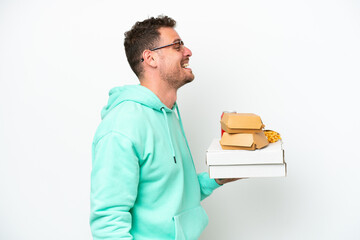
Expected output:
(178, 45)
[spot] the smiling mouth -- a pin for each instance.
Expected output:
(185, 65)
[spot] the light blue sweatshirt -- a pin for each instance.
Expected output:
(143, 182)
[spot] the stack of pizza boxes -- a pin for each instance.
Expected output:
(244, 150)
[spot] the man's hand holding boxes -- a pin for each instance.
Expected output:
(245, 149)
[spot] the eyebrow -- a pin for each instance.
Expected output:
(176, 40)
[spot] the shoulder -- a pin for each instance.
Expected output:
(128, 118)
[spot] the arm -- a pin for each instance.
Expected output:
(114, 182)
(222, 181)
(207, 185)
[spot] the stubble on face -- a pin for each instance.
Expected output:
(172, 70)
(176, 79)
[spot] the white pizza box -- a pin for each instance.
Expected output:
(271, 154)
(248, 171)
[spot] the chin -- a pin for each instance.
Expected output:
(187, 80)
(190, 78)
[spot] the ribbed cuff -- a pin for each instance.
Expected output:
(210, 183)
(215, 185)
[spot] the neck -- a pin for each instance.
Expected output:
(163, 91)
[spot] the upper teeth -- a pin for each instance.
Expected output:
(185, 65)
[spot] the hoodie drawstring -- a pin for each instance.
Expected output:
(168, 130)
(182, 130)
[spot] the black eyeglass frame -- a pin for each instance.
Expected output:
(181, 42)
(171, 44)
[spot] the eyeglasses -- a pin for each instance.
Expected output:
(180, 43)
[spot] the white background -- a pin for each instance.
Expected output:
(295, 63)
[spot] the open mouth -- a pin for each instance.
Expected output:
(185, 65)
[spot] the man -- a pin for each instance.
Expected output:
(144, 184)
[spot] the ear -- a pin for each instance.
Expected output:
(150, 58)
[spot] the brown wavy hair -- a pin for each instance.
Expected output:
(144, 35)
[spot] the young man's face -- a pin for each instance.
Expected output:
(174, 60)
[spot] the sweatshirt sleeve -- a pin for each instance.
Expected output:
(114, 183)
(207, 185)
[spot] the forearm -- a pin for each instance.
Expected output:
(114, 182)
(207, 185)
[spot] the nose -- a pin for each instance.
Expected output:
(187, 52)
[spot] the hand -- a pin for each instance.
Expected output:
(222, 181)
